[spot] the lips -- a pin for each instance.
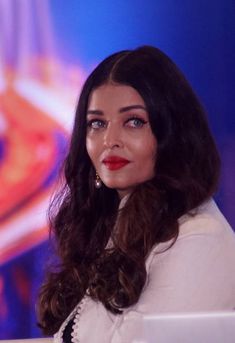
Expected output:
(115, 162)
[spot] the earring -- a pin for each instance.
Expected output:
(98, 182)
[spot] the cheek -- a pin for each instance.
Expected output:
(91, 148)
(147, 151)
(153, 149)
(149, 162)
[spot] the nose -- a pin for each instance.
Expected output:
(112, 137)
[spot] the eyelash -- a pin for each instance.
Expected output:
(93, 121)
(140, 121)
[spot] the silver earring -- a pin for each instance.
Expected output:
(98, 182)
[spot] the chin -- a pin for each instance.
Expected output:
(113, 185)
(116, 185)
(121, 187)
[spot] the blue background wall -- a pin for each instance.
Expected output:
(199, 35)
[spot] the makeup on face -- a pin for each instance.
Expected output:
(115, 162)
(120, 141)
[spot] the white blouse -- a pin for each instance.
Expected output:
(196, 274)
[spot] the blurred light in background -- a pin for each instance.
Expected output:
(37, 100)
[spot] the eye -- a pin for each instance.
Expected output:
(95, 124)
(135, 122)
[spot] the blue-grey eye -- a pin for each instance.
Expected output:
(136, 122)
(96, 124)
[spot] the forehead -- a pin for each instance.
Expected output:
(114, 95)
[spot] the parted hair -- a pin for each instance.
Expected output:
(85, 219)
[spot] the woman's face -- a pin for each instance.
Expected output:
(120, 142)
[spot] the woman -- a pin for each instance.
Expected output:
(136, 230)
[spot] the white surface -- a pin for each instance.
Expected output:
(32, 340)
(213, 327)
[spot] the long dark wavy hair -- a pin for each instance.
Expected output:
(186, 175)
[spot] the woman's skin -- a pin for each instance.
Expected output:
(120, 142)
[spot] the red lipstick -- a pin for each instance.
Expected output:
(115, 162)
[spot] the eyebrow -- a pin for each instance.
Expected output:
(132, 107)
(96, 112)
(121, 110)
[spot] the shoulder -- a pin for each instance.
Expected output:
(203, 226)
(198, 271)
(206, 219)
(202, 258)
